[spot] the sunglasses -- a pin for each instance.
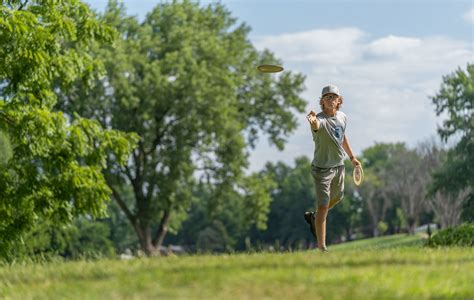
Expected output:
(330, 97)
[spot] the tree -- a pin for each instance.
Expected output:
(408, 181)
(83, 238)
(396, 177)
(447, 206)
(375, 204)
(226, 224)
(55, 168)
(5, 149)
(122, 234)
(376, 189)
(185, 81)
(455, 99)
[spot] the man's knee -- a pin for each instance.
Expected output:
(333, 202)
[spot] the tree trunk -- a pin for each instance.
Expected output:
(411, 225)
(144, 237)
(375, 231)
(150, 243)
(162, 230)
(348, 234)
(151, 246)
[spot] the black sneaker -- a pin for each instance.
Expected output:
(309, 218)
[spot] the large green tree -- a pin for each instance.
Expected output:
(455, 100)
(185, 80)
(55, 168)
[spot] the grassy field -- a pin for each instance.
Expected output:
(385, 242)
(369, 269)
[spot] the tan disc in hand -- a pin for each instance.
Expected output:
(358, 175)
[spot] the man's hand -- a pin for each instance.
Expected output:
(313, 121)
(355, 162)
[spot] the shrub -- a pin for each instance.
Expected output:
(83, 239)
(462, 235)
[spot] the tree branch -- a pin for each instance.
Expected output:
(123, 205)
(6, 118)
(23, 4)
(162, 229)
(160, 135)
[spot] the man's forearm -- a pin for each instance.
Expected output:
(347, 147)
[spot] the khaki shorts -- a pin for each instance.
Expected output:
(329, 185)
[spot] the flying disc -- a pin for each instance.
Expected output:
(269, 68)
(358, 175)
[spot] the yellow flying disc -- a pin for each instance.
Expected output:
(269, 68)
(358, 175)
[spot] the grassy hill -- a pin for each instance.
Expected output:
(384, 242)
(368, 269)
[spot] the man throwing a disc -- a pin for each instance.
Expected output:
(330, 141)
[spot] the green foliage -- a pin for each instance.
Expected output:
(293, 195)
(462, 235)
(400, 221)
(224, 223)
(83, 238)
(395, 177)
(456, 100)
(55, 170)
(185, 80)
(5, 149)
(382, 227)
(122, 234)
(378, 162)
(214, 238)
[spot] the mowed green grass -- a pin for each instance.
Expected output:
(384, 242)
(369, 272)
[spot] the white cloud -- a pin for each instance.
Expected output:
(386, 83)
(469, 16)
(393, 45)
(322, 46)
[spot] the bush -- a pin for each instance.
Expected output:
(83, 238)
(462, 235)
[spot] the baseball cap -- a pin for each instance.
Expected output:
(330, 89)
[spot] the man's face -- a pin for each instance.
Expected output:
(331, 100)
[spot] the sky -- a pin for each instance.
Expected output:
(387, 58)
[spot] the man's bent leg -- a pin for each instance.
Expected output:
(321, 215)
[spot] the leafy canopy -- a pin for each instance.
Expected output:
(456, 100)
(55, 168)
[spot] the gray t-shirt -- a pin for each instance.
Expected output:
(328, 151)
